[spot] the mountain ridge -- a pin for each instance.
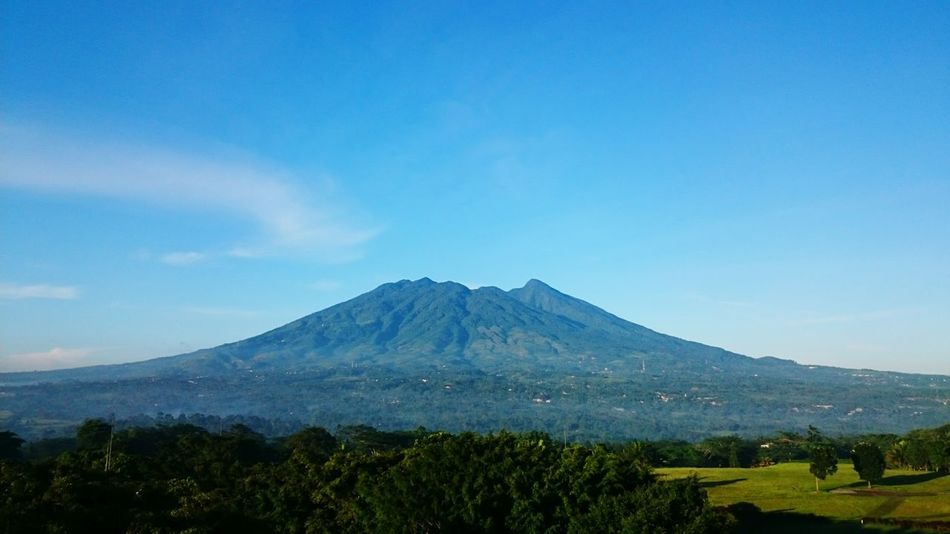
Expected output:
(380, 313)
(425, 318)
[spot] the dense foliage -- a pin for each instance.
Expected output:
(868, 461)
(824, 462)
(174, 476)
(923, 449)
(185, 478)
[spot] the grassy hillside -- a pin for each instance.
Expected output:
(787, 490)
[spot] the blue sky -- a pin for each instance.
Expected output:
(772, 178)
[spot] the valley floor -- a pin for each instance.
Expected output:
(786, 493)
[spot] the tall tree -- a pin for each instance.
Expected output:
(824, 462)
(868, 461)
(93, 434)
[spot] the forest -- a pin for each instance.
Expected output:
(181, 477)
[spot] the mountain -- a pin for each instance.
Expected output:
(427, 324)
(532, 357)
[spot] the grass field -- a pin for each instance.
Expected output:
(787, 492)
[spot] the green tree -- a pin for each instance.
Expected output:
(868, 461)
(93, 434)
(824, 462)
(727, 451)
(915, 451)
(787, 446)
(669, 506)
(310, 446)
(896, 456)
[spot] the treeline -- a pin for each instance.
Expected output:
(923, 449)
(185, 478)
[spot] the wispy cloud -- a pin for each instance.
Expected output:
(848, 317)
(325, 285)
(183, 258)
(54, 358)
(244, 252)
(38, 291)
(293, 217)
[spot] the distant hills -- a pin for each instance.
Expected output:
(442, 355)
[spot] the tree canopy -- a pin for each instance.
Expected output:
(868, 461)
(185, 478)
(824, 462)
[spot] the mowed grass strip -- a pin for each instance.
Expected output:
(902, 494)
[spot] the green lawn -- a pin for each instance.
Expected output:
(786, 490)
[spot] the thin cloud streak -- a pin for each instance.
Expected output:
(183, 258)
(38, 291)
(42, 160)
(325, 285)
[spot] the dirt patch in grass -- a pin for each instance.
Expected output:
(876, 492)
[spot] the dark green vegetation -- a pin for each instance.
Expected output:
(176, 477)
(868, 461)
(931, 446)
(444, 356)
(184, 478)
(824, 462)
(822, 454)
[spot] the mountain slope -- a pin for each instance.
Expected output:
(425, 324)
(442, 355)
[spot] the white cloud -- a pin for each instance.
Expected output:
(183, 258)
(293, 217)
(38, 291)
(54, 358)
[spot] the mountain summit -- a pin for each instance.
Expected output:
(423, 323)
